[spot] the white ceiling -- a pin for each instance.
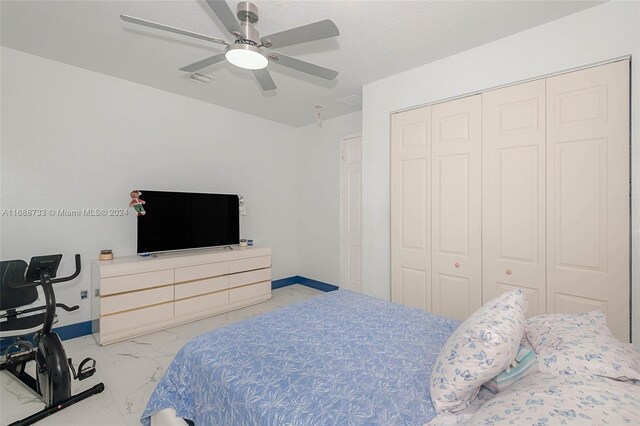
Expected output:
(377, 39)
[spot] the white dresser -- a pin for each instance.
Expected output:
(139, 295)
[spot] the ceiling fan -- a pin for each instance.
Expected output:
(248, 50)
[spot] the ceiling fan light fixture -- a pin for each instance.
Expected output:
(246, 56)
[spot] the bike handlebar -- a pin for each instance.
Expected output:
(23, 284)
(72, 276)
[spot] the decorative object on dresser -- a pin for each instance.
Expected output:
(106, 255)
(137, 295)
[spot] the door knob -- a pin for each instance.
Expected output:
(457, 265)
(508, 271)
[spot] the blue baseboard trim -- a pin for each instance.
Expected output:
(65, 332)
(318, 285)
(72, 331)
(284, 282)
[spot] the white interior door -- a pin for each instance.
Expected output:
(411, 208)
(513, 193)
(588, 193)
(456, 207)
(351, 214)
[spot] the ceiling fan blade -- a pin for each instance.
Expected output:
(264, 78)
(175, 30)
(226, 16)
(306, 67)
(197, 66)
(316, 31)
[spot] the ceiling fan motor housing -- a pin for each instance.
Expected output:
(247, 11)
(245, 52)
(248, 15)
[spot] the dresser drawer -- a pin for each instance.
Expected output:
(129, 320)
(247, 292)
(195, 288)
(133, 282)
(249, 264)
(201, 303)
(199, 272)
(137, 299)
(250, 277)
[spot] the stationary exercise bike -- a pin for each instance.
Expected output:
(54, 371)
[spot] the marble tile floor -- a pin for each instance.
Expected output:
(129, 370)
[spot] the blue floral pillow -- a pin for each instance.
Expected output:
(545, 330)
(484, 345)
(544, 399)
(578, 344)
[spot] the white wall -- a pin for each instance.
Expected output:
(74, 139)
(319, 195)
(603, 32)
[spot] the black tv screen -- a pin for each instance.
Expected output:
(183, 220)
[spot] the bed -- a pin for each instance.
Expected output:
(338, 358)
(343, 358)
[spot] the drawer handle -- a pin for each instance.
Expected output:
(509, 271)
(457, 265)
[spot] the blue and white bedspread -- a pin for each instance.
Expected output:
(341, 358)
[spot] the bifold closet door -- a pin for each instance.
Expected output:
(513, 192)
(456, 209)
(588, 193)
(411, 208)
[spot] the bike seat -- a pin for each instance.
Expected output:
(22, 324)
(11, 298)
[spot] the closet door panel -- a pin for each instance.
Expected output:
(411, 208)
(513, 190)
(452, 296)
(453, 204)
(414, 290)
(456, 210)
(588, 193)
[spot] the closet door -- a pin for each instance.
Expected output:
(456, 212)
(513, 191)
(588, 193)
(411, 208)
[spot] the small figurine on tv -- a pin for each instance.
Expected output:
(137, 203)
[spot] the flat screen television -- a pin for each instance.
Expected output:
(185, 220)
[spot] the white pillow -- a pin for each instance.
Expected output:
(551, 399)
(570, 344)
(479, 349)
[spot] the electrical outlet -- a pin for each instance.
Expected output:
(84, 294)
(96, 293)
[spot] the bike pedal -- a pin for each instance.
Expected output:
(85, 372)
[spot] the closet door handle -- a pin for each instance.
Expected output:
(457, 265)
(509, 271)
